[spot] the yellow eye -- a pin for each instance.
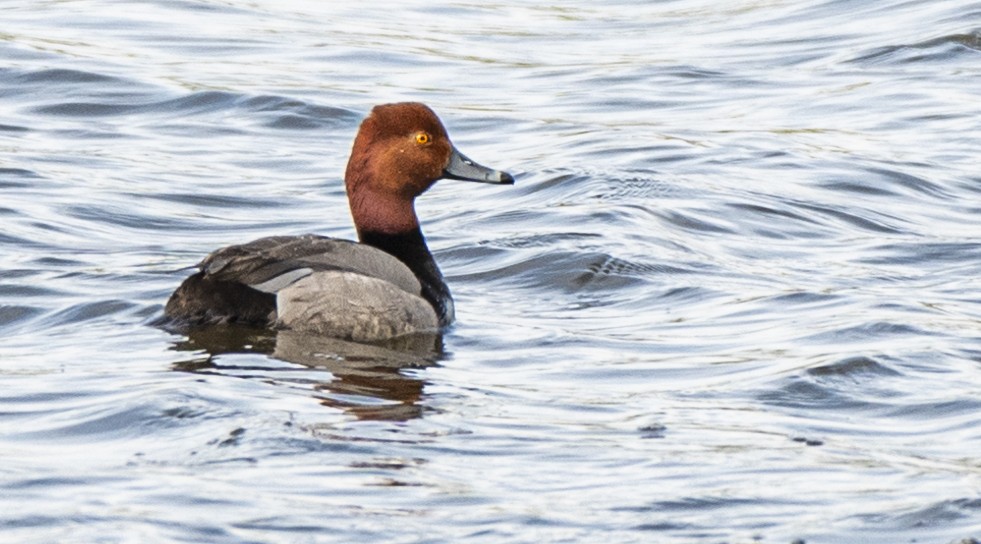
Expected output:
(422, 138)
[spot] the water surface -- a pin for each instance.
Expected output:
(733, 297)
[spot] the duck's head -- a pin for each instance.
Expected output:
(400, 151)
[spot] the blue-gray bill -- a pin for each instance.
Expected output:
(462, 168)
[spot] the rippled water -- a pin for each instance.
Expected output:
(735, 295)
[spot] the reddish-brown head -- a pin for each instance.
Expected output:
(400, 151)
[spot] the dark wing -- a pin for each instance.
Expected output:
(273, 263)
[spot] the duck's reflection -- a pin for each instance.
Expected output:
(369, 380)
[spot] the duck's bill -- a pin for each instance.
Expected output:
(460, 167)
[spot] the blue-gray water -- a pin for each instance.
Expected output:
(735, 295)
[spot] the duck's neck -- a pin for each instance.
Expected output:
(388, 221)
(410, 247)
(380, 211)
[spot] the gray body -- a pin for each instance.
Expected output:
(333, 287)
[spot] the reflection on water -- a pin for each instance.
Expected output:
(367, 380)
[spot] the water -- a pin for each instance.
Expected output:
(735, 295)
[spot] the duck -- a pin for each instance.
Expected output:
(384, 285)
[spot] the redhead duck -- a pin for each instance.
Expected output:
(387, 285)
